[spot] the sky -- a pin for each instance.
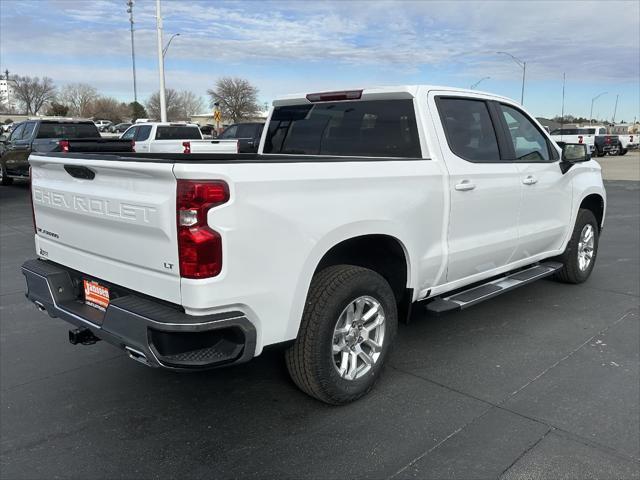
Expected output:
(308, 46)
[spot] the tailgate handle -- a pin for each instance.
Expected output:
(80, 172)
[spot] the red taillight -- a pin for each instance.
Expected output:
(334, 96)
(64, 145)
(187, 147)
(607, 140)
(580, 138)
(199, 247)
(33, 211)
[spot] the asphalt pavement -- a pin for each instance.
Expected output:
(541, 382)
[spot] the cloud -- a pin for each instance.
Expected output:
(391, 40)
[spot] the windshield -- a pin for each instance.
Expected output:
(68, 130)
(378, 128)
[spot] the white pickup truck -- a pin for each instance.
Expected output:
(595, 137)
(358, 204)
(158, 137)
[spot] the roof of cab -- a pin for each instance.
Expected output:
(385, 92)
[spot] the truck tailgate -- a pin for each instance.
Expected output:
(119, 226)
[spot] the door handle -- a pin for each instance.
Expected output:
(465, 185)
(530, 180)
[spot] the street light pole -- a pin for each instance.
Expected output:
(164, 50)
(615, 109)
(523, 65)
(163, 104)
(133, 50)
(478, 82)
(592, 101)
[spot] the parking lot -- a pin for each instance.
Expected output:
(541, 382)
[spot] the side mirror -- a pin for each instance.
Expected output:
(573, 153)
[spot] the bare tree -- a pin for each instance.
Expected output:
(106, 108)
(33, 93)
(180, 105)
(237, 98)
(191, 103)
(79, 97)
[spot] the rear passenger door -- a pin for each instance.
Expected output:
(484, 187)
(545, 210)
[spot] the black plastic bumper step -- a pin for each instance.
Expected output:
(475, 295)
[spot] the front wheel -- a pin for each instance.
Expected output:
(348, 324)
(582, 249)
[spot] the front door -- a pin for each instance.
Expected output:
(546, 193)
(484, 188)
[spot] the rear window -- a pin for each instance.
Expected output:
(177, 132)
(68, 130)
(377, 128)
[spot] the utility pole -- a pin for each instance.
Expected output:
(163, 104)
(564, 80)
(6, 76)
(523, 65)
(615, 109)
(133, 50)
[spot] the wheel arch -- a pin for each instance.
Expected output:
(595, 203)
(382, 251)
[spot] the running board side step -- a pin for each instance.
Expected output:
(475, 295)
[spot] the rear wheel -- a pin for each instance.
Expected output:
(582, 249)
(348, 324)
(4, 180)
(623, 151)
(598, 153)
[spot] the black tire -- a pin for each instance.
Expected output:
(4, 180)
(310, 360)
(598, 153)
(623, 151)
(571, 271)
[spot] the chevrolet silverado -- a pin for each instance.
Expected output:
(358, 204)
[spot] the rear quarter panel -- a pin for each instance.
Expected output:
(283, 217)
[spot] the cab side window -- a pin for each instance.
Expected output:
(469, 129)
(143, 133)
(29, 127)
(529, 144)
(129, 134)
(17, 132)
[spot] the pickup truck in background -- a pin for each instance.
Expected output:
(43, 136)
(158, 137)
(357, 205)
(628, 141)
(247, 134)
(598, 142)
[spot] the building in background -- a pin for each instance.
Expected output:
(7, 96)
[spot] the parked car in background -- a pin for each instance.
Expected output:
(48, 136)
(103, 125)
(358, 204)
(209, 131)
(119, 128)
(247, 134)
(164, 137)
